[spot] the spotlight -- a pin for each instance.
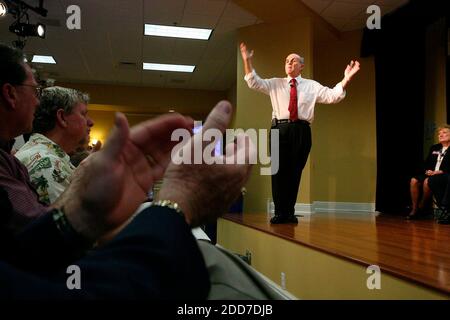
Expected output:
(3, 9)
(28, 30)
(40, 30)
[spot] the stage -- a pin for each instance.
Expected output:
(326, 255)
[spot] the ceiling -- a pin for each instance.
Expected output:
(110, 47)
(348, 15)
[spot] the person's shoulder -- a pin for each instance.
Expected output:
(33, 156)
(5, 159)
(310, 82)
(28, 149)
(434, 149)
(4, 154)
(436, 146)
(9, 164)
(23, 150)
(277, 80)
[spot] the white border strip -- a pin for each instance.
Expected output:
(324, 206)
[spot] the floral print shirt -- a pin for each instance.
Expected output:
(48, 165)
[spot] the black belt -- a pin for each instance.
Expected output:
(276, 121)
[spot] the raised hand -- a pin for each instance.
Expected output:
(352, 68)
(245, 53)
(247, 57)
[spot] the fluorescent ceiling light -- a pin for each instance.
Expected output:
(43, 59)
(176, 32)
(168, 67)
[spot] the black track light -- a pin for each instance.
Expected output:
(28, 30)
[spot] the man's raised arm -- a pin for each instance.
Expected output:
(247, 57)
(352, 68)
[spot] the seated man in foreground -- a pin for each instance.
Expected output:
(155, 255)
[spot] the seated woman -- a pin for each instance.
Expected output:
(437, 163)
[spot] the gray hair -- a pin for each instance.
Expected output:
(53, 99)
(300, 58)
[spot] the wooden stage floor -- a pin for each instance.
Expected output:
(418, 251)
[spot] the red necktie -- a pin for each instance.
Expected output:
(293, 113)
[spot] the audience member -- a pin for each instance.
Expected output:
(155, 255)
(437, 164)
(19, 98)
(60, 125)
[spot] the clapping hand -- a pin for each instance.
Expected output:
(109, 185)
(206, 191)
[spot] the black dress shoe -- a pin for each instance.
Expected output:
(291, 219)
(444, 217)
(279, 219)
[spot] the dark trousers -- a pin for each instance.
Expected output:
(440, 186)
(294, 147)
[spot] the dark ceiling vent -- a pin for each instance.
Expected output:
(126, 64)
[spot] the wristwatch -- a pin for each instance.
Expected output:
(66, 230)
(168, 204)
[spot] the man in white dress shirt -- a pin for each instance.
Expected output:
(293, 99)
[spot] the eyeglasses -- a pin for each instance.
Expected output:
(37, 89)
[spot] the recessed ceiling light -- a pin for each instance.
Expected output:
(176, 32)
(168, 67)
(43, 59)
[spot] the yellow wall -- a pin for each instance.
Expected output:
(271, 44)
(142, 103)
(344, 134)
(103, 123)
(104, 120)
(196, 103)
(435, 93)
